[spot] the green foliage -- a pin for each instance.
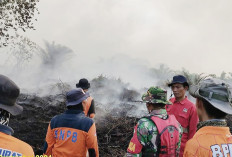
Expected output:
(102, 81)
(194, 78)
(226, 76)
(15, 15)
(22, 50)
(161, 74)
(164, 75)
(55, 54)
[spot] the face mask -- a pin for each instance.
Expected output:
(4, 117)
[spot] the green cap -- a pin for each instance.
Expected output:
(216, 91)
(156, 95)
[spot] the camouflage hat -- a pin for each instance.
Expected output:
(216, 92)
(156, 95)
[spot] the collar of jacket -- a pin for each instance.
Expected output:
(182, 101)
(6, 129)
(74, 111)
(161, 113)
(212, 122)
(223, 130)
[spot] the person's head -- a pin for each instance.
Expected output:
(179, 86)
(9, 92)
(213, 99)
(76, 99)
(84, 84)
(155, 98)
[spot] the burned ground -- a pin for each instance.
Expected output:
(113, 131)
(116, 116)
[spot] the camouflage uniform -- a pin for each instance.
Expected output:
(147, 130)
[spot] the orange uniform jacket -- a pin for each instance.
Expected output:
(89, 109)
(71, 134)
(11, 146)
(210, 141)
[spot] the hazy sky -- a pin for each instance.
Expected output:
(193, 34)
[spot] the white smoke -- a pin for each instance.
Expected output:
(57, 63)
(55, 69)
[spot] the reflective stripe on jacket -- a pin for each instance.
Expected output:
(71, 134)
(11, 146)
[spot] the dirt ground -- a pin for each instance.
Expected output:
(114, 133)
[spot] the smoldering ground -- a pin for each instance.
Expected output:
(47, 74)
(116, 84)
(154, 30)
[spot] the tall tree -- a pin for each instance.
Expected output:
(16, 15)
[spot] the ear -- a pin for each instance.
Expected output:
(186, 88)
(148, 107)
(199, 104)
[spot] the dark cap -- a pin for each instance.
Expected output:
(178, 79)
(83, 83)
(9, 92)
(217, 92)
(75, 96)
